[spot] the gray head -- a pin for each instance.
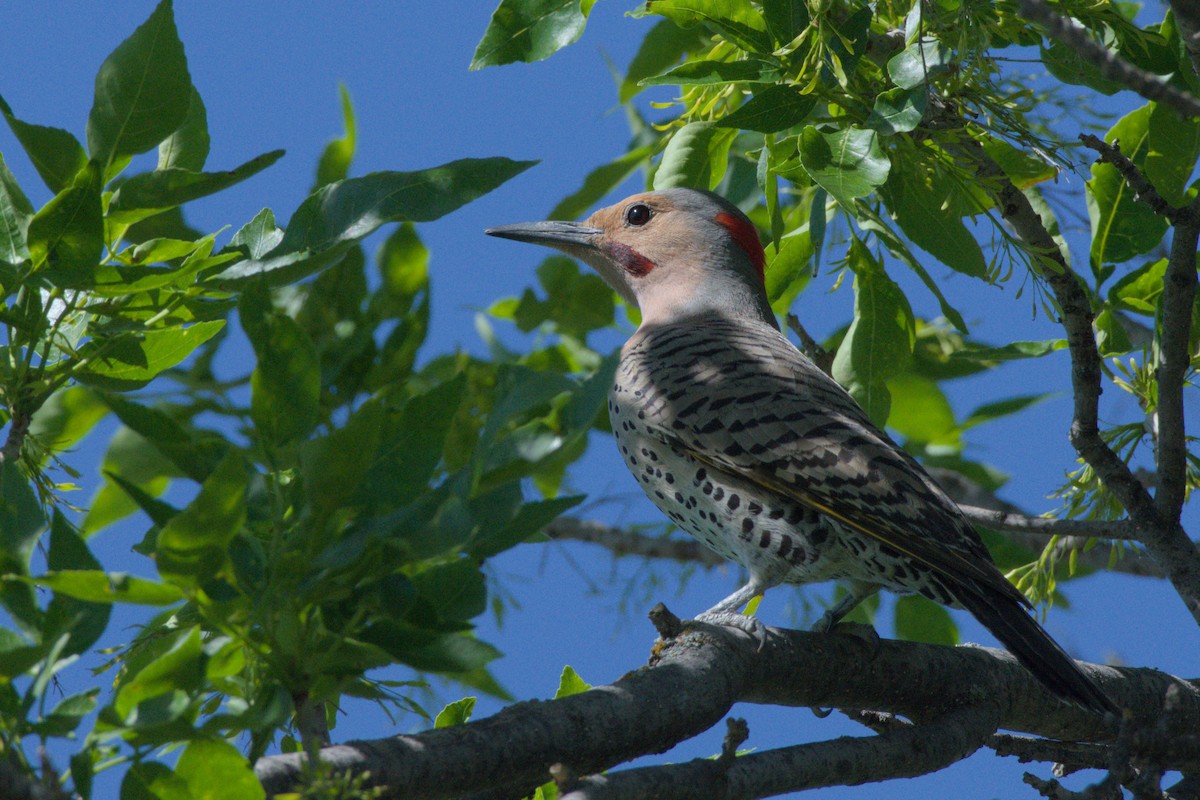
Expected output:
(673, 253)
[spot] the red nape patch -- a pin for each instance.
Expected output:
(628, 259)
(744, 233)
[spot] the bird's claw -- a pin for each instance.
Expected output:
(733, 619)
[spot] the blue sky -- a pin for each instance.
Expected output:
(269, 76)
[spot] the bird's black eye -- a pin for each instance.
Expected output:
(637, 214)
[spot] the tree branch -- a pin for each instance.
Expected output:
(846, 761)
(18, 429)
(623, 542)
(1143, 190)
(1166, 540)
(1047, 526)
(1068, 756)
(1179, 292)
(980, 506)
(1075, 307)
(15, 785)
(1110, 64)
(694, 680)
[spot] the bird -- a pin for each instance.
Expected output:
(743, 442)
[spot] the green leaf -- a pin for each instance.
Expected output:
(403, 263)
(456, 713)
(1139, 290)
(195, 458)
(600, 182)
(414, 443)
(1121, 227)
(1024, 169)
(21, 523)
(919, 619)
(17, 656)
(457, 589)
(695, 157)
(528, 522)
(150, 780)
(191, 546)
(898, 111)
(1003, 408)
(132, 458)
(922, 205)
(153, 251)
(1174, 144)
(772, 109)
(786, 19)
(179, 668)
(868, 221)
(68, 713)
(529, 30)
(662, 47)
(918, 62)
(336, 216)
(708, 73)
(285, 387)
(920, 411)
(569, 683)
(1111, 337)
(66, 417)
(786, 273)
(56, 154)
(15, 214)
(452, 653)
(577, 302)
(66, 237)
(83, 621)
(334, 164)
(143, 91)
(336, 466)
(187, 147)
(213, 769)
(96, 586)
(259, 236)
(1070, 66)
(848, 163)
(880, 340)
(990, 356)
(149, 193)
(735, 20)
(130, 362)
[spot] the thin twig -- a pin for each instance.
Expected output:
(1109, 63)
(1070, 756)
(623, 542)
(1143, 190)
(819, 355)
(1123, 530)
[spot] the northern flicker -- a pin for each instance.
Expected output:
(744, 443)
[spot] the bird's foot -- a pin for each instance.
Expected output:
(733, 619)
(826, 623)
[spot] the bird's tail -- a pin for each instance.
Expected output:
(1034, 648)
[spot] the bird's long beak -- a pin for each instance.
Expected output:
(563, 235)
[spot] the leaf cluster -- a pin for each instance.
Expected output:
(324, 512)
